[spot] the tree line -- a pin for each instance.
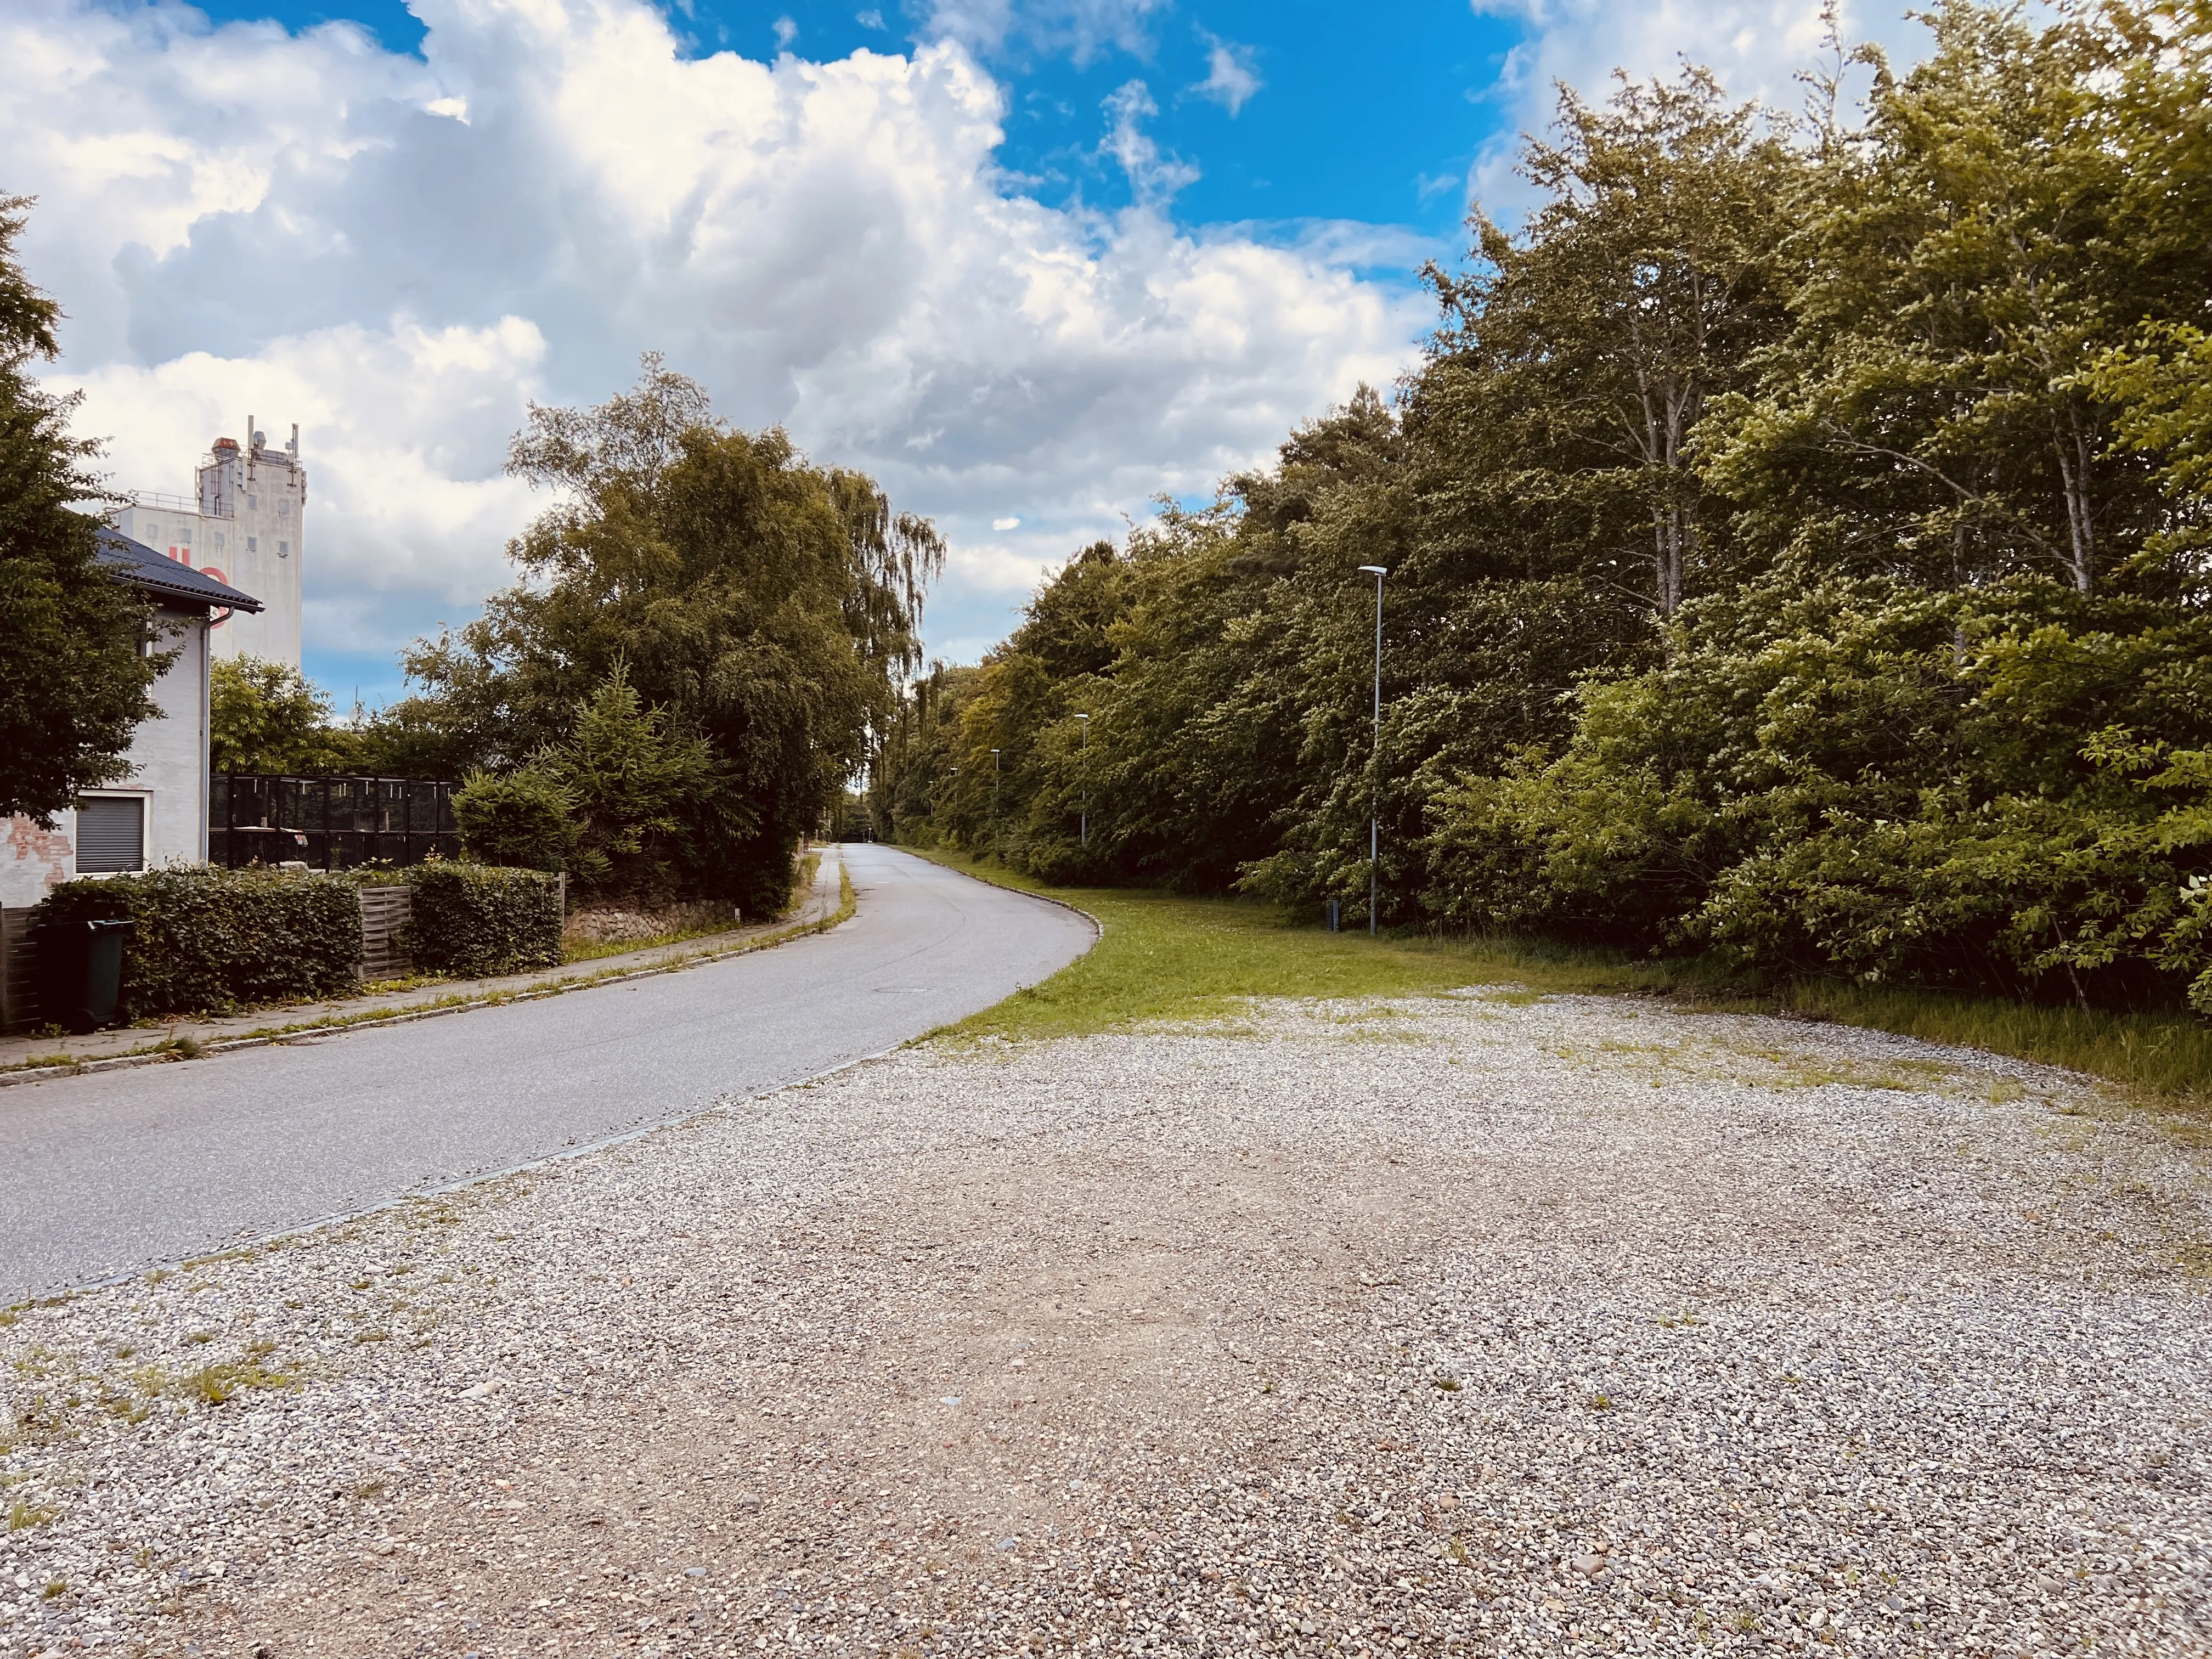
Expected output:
(1796, 534)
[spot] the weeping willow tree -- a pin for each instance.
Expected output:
(764, 604)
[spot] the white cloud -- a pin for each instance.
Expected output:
(1006, 524)
(404, 430)
(399, 254)
(786, 31)
(1154, 178)
(1756, 47)
(1079, 28)
(870, 19)
(1230, 79)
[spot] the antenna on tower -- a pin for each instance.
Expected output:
(293, 446)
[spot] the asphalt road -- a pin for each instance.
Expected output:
(117, 1171)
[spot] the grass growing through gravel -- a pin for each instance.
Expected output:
(1165, 957)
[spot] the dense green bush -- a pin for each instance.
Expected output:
(473, 919)
(1872, 777)
(211, 939)
(524, 819)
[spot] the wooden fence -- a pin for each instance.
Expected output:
(17, 1004)
(384, 915)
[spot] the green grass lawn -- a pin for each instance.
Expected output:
(1163, 956)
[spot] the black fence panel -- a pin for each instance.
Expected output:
(331, 824)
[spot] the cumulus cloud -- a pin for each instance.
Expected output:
(1230, 79)
(1756, 47)
(405, 429)
(400, 252)
(786, 31)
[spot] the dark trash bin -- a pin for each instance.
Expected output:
(80, 968)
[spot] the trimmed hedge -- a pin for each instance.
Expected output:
(216, 940)
(475, 919)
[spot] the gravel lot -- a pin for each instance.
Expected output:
(1489, 1324)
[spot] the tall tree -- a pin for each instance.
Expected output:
(765, 604)
(77, 666)
(1962, 264)
(1602, 333)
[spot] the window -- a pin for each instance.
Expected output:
(110, 834)
(283, 509)
(152, 534)
(253, 543)
(218, 541)
(283, 549)
(252, 501)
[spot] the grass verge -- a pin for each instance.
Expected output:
(1163, 956)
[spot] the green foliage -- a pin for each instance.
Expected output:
(270, 717)
(2161, 388)
(644, 790)
(760, 606)
(1796, 545)
(524, 819)
(74, 685)
(475, 919)
(211, 940)
(617, 804)
(1868, 778)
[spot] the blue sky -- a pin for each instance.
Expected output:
(1372, 114)
(1029, 262)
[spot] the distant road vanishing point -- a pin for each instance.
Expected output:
(112, 1171)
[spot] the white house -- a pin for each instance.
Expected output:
(158, 814)
(246, 527)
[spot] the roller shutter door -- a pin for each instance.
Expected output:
(110, 834)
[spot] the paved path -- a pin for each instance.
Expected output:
(23, 1058)
(109, 1172)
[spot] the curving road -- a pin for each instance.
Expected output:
(117, 1171)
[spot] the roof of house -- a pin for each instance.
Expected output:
(165, 578)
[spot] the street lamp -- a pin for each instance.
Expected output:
(994, 801)
(1374, 759)
(1085, 770)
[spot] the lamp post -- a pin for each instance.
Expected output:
(995, 801)
(1084, 769)
(1374, 759)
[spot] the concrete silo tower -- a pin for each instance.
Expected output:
(254, 501)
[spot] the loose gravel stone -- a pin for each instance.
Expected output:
(1487, 1324)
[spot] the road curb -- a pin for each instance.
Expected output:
(163, 1056)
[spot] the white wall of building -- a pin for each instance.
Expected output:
(168, 777)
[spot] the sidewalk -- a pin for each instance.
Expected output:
(25, 1059)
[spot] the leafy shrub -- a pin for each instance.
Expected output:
(219, 940)
(523, 819)
(474, 920)
(1941, 788)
